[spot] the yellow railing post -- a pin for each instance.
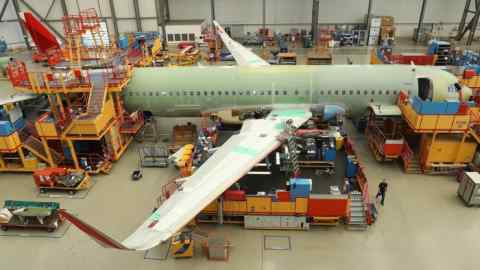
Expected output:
(47, 150)
(73, 152)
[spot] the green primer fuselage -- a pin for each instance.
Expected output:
(188, 91)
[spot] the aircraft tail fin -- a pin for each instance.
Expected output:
(100, 237)
(242, 55)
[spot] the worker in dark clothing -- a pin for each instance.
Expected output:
(382, 189)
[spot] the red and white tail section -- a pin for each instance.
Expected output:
(44, 39)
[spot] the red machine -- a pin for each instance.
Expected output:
(48, 48)
(61, 179)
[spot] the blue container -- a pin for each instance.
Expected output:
(471, 104)
(452, 107)
(351, 169)
(19, 124)
(329, 154)
(429, 107)
(6, 128)
(300, 187)
(123, 42)
(417, 104)
(432, 108)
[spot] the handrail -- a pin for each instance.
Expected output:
(406, 155)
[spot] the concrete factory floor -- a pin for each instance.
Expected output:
(422, 226)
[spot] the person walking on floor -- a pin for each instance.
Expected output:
(382, 189)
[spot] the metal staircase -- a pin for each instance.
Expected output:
(96, 100)
(414, 166)
(411, 162)
(357, 219)
(35, 146)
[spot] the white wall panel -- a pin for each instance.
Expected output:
(147, 7)
(126, 26)
(188, 9)
(238, 12)
(124, 8)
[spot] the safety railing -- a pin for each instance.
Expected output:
(406, 155)
(132, 123)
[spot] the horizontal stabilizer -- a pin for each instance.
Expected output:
(101, 238)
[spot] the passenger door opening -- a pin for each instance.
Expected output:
(425, 89)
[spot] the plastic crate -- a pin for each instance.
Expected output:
(6, 128)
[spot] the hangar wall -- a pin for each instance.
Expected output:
(281, 15)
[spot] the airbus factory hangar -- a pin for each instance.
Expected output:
(255, 134)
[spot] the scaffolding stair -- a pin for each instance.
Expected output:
(106, 167)
(357, 219)
(96, 100)
(414, 166)
(35, 146)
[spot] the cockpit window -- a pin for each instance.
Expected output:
(458, 87)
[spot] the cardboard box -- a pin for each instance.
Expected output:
(387, 21)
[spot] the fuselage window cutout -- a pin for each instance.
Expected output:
(262, 93)
(178, 93)
(336, 92)
(296, 92)
(247, 93)
(276, 92)
(150, 94)
(144, 93)
(380, 92)
(285, 93)
(395, 92)
(226, 93)
(351, 92)
(205, 93)
(157, 94)
(240, 93)
(329, 92)
(212, 93)
(130, 94)
(365, 92)
(322, 92)
(219, 93)
(343, 92)
(170, 93)
(192, 93)
(185, 93)
(234, 93)
(199, 93)
(387, 92)
(358, 92)
(373, 92)
(269, 92)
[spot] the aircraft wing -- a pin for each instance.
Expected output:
(242, 55)
(235, 158)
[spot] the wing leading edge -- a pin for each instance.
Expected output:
(230, 162)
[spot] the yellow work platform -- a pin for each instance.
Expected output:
(93, 125)
(433, 123)
(10, 143)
